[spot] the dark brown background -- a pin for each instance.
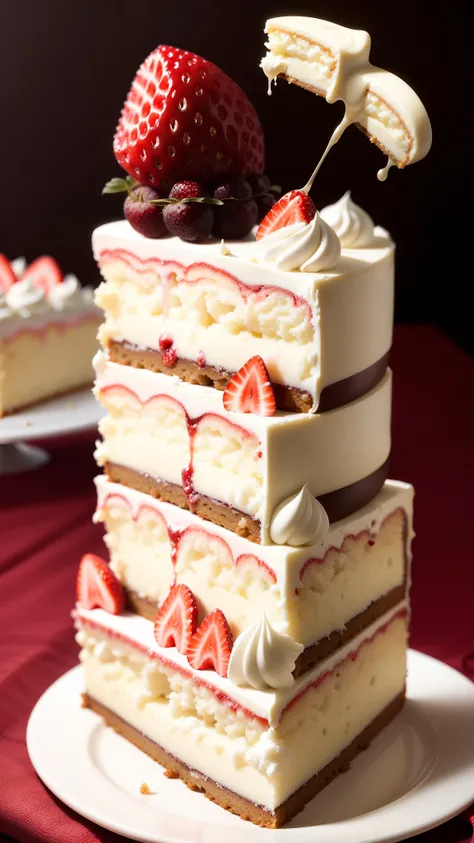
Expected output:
(66, 66)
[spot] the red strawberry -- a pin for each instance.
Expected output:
(176, 620)
(7, 276)
(294, 206)
(211, 644)
(44, 273)
(250, 390)
(185, 119)
(97, 586)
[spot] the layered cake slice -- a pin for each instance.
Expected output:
(48, 333)
(177, 441)
(249, 631)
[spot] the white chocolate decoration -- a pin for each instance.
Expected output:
(306, 247)
(299, 520)
(263, 658)
(354, 227)
(333, 61)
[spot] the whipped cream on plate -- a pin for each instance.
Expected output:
(354, 227)
(263, 658)
(307, 247)
(299, 520)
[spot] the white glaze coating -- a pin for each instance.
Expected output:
(334, 61)
(263, 658)
(191, 294)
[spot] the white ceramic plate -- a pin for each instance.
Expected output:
(418, 773)
(68, 414)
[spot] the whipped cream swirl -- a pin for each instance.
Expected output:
(307, 247)
(354, 227)
(299, 520)
(263, 658)
(25, 299)
(67, 294)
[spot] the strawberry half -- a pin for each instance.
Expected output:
(295, 206)
(7, 276)
(97, 587)
(185, 119)
(44, 273)
(211, 645)
(250, 390)
(176, 620)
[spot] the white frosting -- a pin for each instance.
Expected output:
(306, 247)
(25, 299)
(18, 266)
(68, 294)
(26, 303)
(299, 520)
(263, 658)
(354, 227)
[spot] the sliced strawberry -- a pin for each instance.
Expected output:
(185, 119)
(44, 273)
(250, 390)
(176, 620)
(7, 276)
(97, 587)
(211, 645)
(295, 206)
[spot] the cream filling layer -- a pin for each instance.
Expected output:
(307, 593)
(264, 760)
(225, 308)
(161, 426)
(35, 364)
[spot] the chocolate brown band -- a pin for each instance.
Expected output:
(337, 504)
(232, 802)
(287, 397)
(314, 654)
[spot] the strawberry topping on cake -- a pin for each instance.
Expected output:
(250, 390)
(7, 276)
(295, 206)
(211, 645)
(44, 273)
(186, 119)
(97, 587)
(176, 620)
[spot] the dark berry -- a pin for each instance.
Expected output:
(235, 220)
(189, 220)
(265, 203)
(142, 215)
(235, 187)
(259, 183)
(187, 190)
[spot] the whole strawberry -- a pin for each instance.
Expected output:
(185, 119)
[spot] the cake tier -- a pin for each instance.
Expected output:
(43, 357)
(324, 337)
(321, 596)
(176, 441)
(261, 754)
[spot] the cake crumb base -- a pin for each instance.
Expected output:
(232, 802)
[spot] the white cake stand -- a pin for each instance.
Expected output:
(58, 417)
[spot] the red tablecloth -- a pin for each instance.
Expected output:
(45, 526)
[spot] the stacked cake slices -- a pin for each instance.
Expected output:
(250, 633)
